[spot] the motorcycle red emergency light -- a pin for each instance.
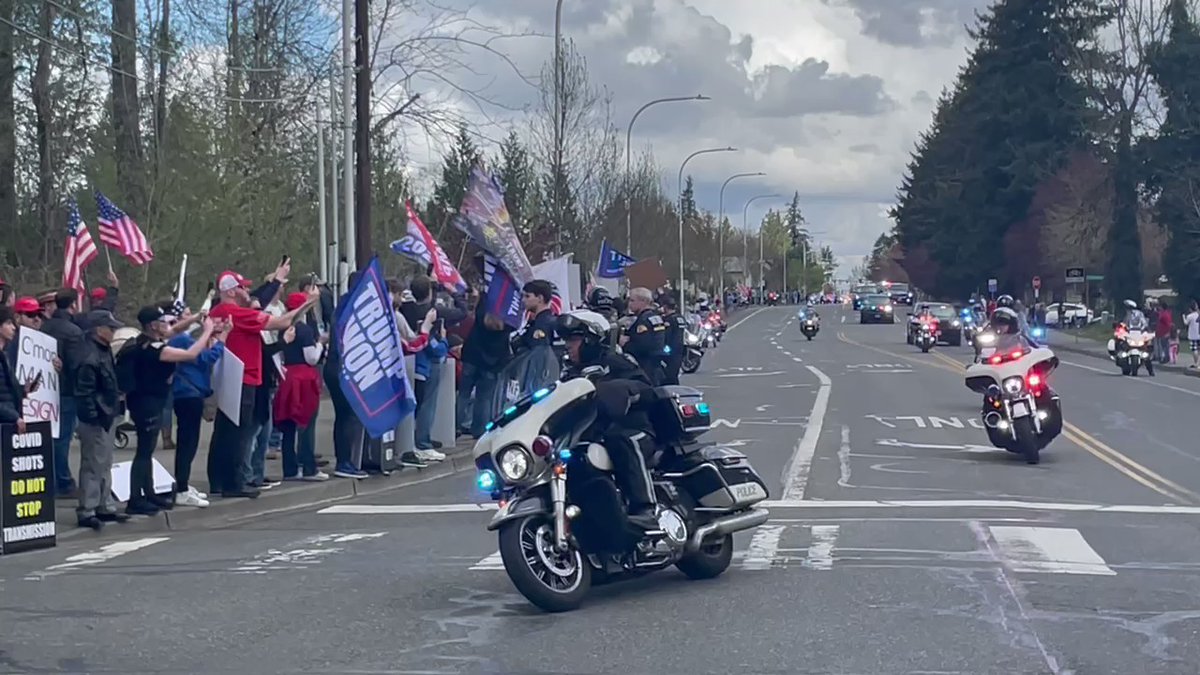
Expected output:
(1034, 380)
(1016, 355)
(997, 359)
(542, 445)
(689, 410)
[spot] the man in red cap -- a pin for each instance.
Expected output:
(231, 443)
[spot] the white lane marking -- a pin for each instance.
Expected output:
(948, 504)
(763, 407)
(795, 477)
(394, 509)
(722, 422)
(492, 562)
(307, 552)
(893, 443)
(1053, 550)
(797, 359)
(747, 318)
(793, 386)
(774, 372)
(844, 459)
(1155, 383)
(100, 555)
(820, 551)
(763, 547)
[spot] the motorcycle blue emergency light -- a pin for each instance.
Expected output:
(486, 480)
(564, 454)
(1039, 332)
(667, 349)
(540, 394)
(702, 408)
(489, 426)
(510, 410)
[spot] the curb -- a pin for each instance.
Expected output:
(234, 511)
(1103, 354)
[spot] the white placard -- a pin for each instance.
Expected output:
(227, 384)
(164, 483)
(35, 355)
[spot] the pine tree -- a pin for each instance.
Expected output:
(456, 172)
(517, 177)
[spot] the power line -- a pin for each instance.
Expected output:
(117, 71)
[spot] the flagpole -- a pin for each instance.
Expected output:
(108, 256)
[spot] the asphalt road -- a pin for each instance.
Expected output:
(898, 544)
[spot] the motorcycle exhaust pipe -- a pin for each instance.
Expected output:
(992, 420)
(726, 525)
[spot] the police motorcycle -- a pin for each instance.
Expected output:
(562, 523)
(696, 339)
(1021, 413)
(810, 323)
(925, 335)
(1131, 349)
(969, 326)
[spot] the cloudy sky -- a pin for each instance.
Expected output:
(826, 96)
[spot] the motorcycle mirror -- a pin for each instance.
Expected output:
(594, 371)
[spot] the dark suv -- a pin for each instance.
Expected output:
(950, 327)
(900, 294)
(876, 309)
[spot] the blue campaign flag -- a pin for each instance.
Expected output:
(612, 262)
(372, 375)
(503, 293)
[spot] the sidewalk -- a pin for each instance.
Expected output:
(283, 497)
(1067, 342)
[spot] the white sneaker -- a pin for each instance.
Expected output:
(189, 499)
(196, 493)
(316, 477)
(431, 455)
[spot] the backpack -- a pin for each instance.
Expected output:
(126, 367)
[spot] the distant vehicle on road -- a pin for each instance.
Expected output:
(1074, 314)
(861, 291)
(900, 293)
(876, 309)
(950, 325)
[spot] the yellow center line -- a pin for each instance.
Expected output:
(1079, 437)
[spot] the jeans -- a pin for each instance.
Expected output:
(230, 446)
(1162, 347)
(427, 399)
(475, 399)
(96, 444)
(62, 445)
(147, 416)
(308, 436)
(347, 429)
(256, 462)
(304, 464)
(168, 415)
(190, 413)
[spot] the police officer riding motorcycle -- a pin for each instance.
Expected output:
(626, 428)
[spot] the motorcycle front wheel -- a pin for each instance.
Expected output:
(691, 363)
(551, 581)
(1027, 441)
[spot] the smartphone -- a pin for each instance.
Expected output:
(439, 327)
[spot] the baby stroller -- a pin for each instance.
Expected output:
(125, 427)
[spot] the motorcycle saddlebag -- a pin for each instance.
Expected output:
(679, 414)
(718, 477)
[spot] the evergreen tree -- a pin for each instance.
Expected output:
(517, 177)
(1175, 154)
(456, 172)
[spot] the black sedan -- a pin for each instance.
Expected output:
(876, 309)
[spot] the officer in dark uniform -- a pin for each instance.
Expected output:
(676, 328)
(601, 302)
(647, 335)
(540, 330)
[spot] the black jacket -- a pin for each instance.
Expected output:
(71, 347)
(12, 394)
(619, 391)
(486, 348)
(97, 396)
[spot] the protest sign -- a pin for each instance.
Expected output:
(36, 352)
(26, 476)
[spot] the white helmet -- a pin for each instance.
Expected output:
(1131, 304)
(582, 322)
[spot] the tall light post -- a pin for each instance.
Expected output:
(629, 161)
(682, 300)
(746, 229)
(803, 263)
(721, 229)
(558, 152)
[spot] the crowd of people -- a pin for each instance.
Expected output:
(155, 378)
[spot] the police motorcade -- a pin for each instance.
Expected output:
(587, 493)
(810, 321)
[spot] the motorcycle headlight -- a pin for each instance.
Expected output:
(1013, 385)
(987, 339)
(691, 338)
(514, 463)
(955, 323)
(887, 308)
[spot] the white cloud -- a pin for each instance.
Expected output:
(826, 96)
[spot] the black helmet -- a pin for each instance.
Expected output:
(1005, 300)
(600, 298)
(666, 301)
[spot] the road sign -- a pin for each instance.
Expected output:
(1075, 275)
(1037, 283)
(993, 285)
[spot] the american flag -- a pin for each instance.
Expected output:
(80, 250)
(120, 232)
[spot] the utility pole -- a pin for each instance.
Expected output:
(348, 248)
(323, 235)
(362, 136)
(335, 229)
(558, 128)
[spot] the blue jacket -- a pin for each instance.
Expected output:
(194, 380)
(434, 353)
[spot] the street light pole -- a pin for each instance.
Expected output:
(721, 229)
(629, 162)
(558, 132)
(746, 230)
(682, 300)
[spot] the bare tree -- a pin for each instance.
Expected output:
(43, 104)
(8, 122)
(126, 106)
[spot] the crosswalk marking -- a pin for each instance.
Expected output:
(820, 551)
(1053, 550)
(764, 546)
(492, 562)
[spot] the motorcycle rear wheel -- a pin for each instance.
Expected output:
(710, 561)
(550, 581)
